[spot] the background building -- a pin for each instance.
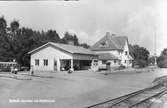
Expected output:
(113, 49)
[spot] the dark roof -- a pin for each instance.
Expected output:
(109, 42)
(68, 48)
(107, 56)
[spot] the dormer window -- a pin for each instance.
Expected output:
(103, 44)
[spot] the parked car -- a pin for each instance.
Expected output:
(24, 68)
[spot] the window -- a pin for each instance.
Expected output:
(103, 44)
(45, 62)
(125, 61)
(37, 62)
(126, 52)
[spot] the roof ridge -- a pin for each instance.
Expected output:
(69, 45)
(115, 43)
(56, 44)
(118, 36)
(99, 41)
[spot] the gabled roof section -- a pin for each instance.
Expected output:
(109, 42)
(65, 47)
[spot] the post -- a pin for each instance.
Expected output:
(155, 61)
(92, 64)
(72, 64)
(58, 64)
(108, 68)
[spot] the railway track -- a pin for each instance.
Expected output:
(139, 99)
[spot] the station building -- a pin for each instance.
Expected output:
(58, 57)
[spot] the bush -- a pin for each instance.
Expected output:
(162, 63)
(162, 60)
(121, 67)
(140, 63)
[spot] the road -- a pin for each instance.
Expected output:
(76, 90)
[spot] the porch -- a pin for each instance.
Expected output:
(66, 64)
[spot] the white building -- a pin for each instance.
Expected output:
(113, 49)
(55, 57)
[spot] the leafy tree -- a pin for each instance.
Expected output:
(151, 60)
(3, 26)
(164, 52)
(4, 45)
(140, 55)
(14, 26)
(16, 42)
(70, 38)
(52, 36)
(162, 59)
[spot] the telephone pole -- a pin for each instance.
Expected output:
(155, 58)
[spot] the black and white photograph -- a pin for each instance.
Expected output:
(83, 53)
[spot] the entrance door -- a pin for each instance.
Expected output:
(55, 65)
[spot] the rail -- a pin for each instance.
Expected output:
(126, 98)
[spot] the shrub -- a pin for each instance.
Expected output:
(162, 63)
(162, 60)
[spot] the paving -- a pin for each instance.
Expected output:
(76, 90)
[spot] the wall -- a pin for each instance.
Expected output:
(125, 57)
(120, 54)
(115, 53)
(51, 54)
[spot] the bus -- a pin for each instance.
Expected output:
(6, 66)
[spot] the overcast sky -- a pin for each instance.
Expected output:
(139, 20)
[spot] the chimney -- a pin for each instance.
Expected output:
(107, 33)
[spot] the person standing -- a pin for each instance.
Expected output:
(15, 70)
(32, 70)
(11, 69)
(108, 68)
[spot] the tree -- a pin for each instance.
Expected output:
(3, 26)
(4, 45)
(73, 39)
(140, 55)
(70, 38)
(14, 25)
(162, 59)
(16, 42)
(164, 52)
(151, 60)
(52, 36)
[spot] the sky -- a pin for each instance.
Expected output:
(140, 20)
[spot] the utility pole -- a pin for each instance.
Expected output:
(155, 62)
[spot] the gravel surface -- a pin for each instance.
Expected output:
(76, 90)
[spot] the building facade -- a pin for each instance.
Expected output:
(59, 57)
(113, 49)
